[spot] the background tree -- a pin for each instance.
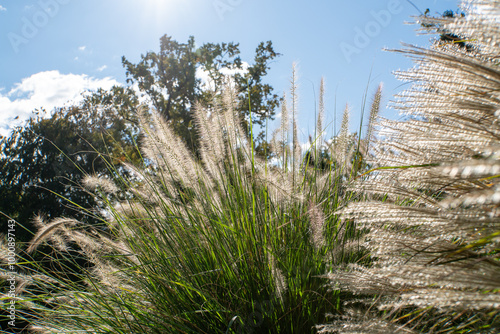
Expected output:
(168, 78)
(43, 162)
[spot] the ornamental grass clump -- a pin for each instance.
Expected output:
(432, 207)
(229, 243)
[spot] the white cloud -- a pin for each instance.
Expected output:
(203, 76)
(102, 68)
(233, 71)
(82, 48)
(48, 89)
(2, 8)
(207, 82)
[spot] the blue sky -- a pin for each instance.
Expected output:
(51, 50)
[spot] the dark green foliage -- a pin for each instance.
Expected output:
(168, 78)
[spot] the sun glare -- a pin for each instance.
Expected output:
(159, 10)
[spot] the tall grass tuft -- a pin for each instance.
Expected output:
(231, 243)
(433, 201)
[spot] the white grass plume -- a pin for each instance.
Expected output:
(321, 114)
